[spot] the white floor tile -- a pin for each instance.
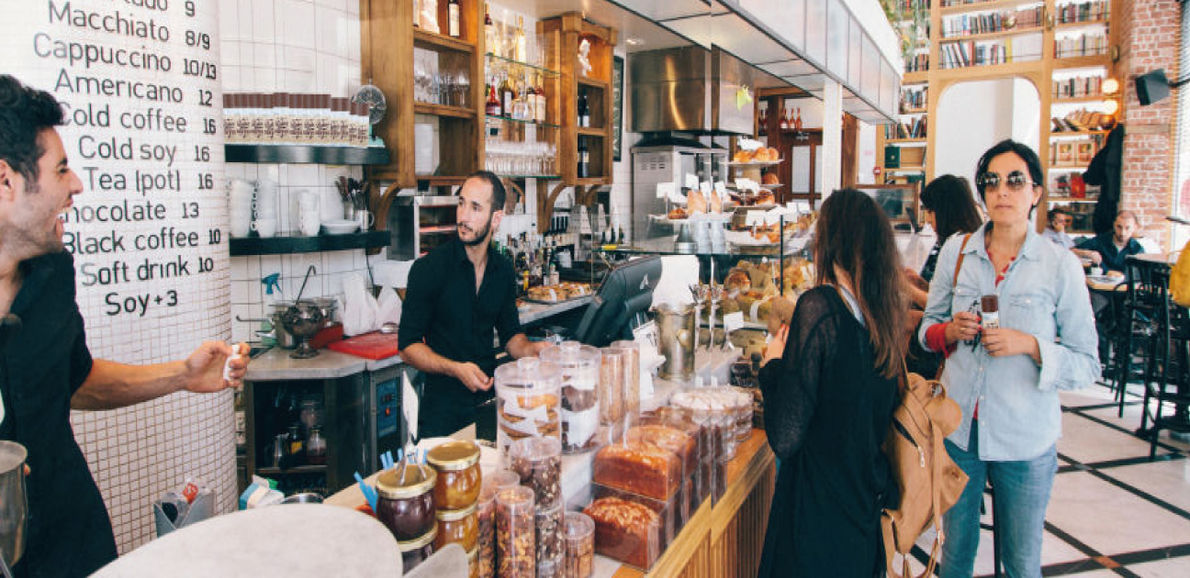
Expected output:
(1087, 441)
(1177, 568)
(1110, 519)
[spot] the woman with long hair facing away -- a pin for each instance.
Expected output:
(830, 386)
(949, 207)
(1005, 368)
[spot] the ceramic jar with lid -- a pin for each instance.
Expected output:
(416, 551)
(406, 506)
(526, 401)
(459, 475)
(579, 366)
(458, 527)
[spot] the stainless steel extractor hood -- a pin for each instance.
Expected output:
(691, 89)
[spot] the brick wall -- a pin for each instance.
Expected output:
(1149, 37)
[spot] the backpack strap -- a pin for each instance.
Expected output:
(962, 255)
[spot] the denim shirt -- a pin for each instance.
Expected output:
(1044, 293)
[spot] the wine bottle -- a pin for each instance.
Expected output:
(490, 40)
(519, 42)
(540, 104)
(492, 106)
(797, 121)
(452, 11)
(507, 95)
(584, 110)
(584, 158)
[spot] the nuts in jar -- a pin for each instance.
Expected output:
(458, 527)
(579, 530)
(538, 461)
(486, 517)
(515, 533)
(550, 544)
(406, 507)
(459, 476)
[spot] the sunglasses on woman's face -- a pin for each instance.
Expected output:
(1015, 181)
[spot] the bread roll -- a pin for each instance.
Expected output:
(695, 202)
(737, 281)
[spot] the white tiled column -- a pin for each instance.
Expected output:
(832, 136)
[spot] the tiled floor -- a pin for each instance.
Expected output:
(1112, 511)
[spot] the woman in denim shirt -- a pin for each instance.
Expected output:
(1007, 379)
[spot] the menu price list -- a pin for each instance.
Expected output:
(139, 84)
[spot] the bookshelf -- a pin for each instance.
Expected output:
(1066, 48)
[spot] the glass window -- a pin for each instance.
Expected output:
(854, 54)
(816, 31)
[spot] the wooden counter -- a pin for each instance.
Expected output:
(727, 539)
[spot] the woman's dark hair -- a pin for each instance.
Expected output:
(24, 113)
(854, 235)
(953, 205)
(1009, 146)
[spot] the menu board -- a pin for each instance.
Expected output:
(139, 82)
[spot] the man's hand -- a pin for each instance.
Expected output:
(204, 367)
(776, 348)
(1005, 342)
(472, 376)
(963, 327)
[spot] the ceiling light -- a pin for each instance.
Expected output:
(634, 41)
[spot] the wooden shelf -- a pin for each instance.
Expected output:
(519, 121)
(1071, 134)
(1083, 24)
(1078, 99)
(591, 131)
(438, 180)
(915, 77)
(592, 82)
(592, 181)
(443, 110)
(906, 168)
(989, 70)
(914, 111)
(922, 140)
(423, 39)
(993, 35)
(983, 6)
(309, 154)
(548, 72)
(287, 245)
(1083, 61)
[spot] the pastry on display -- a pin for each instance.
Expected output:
(626, 531)
(561, 292)
(770, 178)
(638, 468)
(716, 203)
(765, 197)
(737, 281)
(527, 401)
(696, 203)
(669, 439)
(677, 214)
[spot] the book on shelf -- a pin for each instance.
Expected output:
(1089, 43)
(971, 53)
(1083, 12)
(1027, 19)
(919, 63)
(914, 98)
(1078, 86)
(910, 128)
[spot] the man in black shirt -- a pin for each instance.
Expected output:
(456, 296)
(45, 367)
(1110, 249)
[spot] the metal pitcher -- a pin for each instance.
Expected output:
(675, 334)
(13, 507)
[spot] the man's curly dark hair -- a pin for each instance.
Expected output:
(24, 113)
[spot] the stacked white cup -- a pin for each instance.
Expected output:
(265, 209)
(309, 213)
(241, 194)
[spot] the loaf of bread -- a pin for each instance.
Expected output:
(638, 468)
(669, 439)
(626, 531)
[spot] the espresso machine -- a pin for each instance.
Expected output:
(668, 158)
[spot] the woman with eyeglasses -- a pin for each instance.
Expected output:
(1005, 369)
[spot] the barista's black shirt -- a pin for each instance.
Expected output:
(43, 361)
(443, 310)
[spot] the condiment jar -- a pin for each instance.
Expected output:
(500, 479)
(416, 551)
(459, 476)
(458, 527)
(526, 401)
(407, 509)
(579, 367)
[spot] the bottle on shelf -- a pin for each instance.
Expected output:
(797, 121)
(507, 92)
(762, 120)
(492, 106)
(785, 119)
(539, 105)
(491, 42)
(452, 15)
(584, 110)
(519, 41)
(584, 159)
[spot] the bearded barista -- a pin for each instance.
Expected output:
(458, 297)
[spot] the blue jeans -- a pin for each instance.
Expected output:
(1022, 493)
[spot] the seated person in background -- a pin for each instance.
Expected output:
(1109, 250)
(1059, 219)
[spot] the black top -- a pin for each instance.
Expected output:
(43, 361)
(827, 411)
(443, 309)
(927, 269)
(1113, 258)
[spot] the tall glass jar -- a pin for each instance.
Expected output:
(579, 366)
(526, 401)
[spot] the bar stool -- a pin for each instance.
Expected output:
(1172, 356)
(1136, 333)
